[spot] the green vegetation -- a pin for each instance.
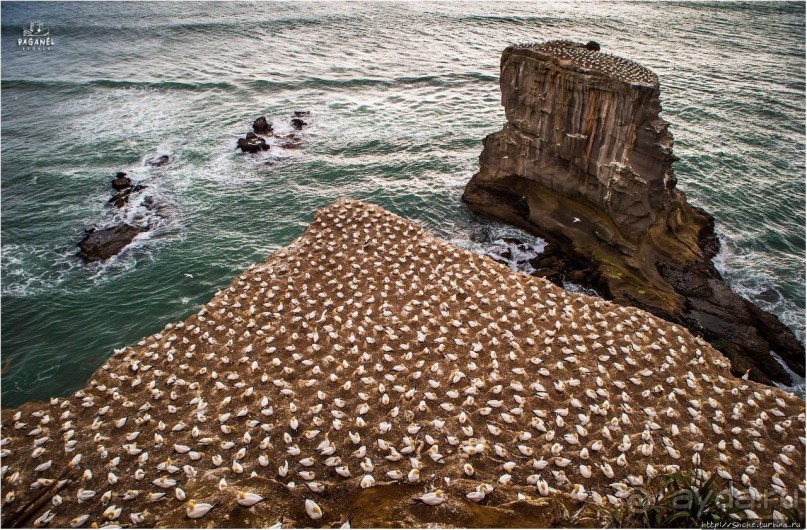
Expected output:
(680, 500)
(683, 500)
(605, 260)
(584, 516)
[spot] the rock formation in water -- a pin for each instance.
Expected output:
(121, 181)
(585, 161)
(255, 141)
(158, 161)
(99, 244)
(371, 371)
(261, 126)
(252, 143)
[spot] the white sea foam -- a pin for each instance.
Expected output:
(231, 167)
(574, 287)
(798, 385)
(742, 273)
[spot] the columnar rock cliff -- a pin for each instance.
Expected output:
(585, 161)
(370, 371)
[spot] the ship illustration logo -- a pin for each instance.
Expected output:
(36, 30)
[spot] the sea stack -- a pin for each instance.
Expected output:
(372, 372)
(585, 161)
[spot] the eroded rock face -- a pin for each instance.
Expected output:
(585, 161)
(580, 132)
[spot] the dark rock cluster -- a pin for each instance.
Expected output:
(101, 243)
(261, 126)
(252, 143)
(262, 129)
(124, 189)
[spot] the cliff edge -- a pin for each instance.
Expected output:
(585, 162)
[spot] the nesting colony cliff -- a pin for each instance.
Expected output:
(370, 371)
(585, 161)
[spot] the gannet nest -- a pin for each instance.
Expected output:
(576, 56)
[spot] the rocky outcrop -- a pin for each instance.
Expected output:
(262, 129)
(252, 143)
(101, 244)
(261, 126)
(121, 197)
(585, 161)
(121, 181)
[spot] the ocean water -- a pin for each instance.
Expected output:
(400, 97)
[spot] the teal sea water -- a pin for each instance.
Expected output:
(401, 96)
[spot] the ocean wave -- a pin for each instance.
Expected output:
(177, 27)
(455, 79)
(511, 19)
(66, 84)
(746, 278)
(506, 244)
(798, 381)
(30, 270)
(574, 287)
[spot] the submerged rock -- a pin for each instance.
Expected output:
(158, 161)
(291, 141)
(585, 161)
(253, 143)
(102, 244)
